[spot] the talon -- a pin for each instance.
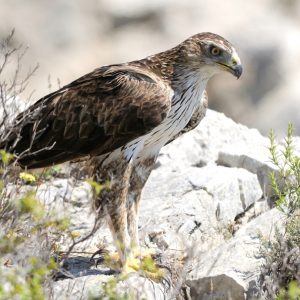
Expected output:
(101, 253)
(110, 260)
(145, 262)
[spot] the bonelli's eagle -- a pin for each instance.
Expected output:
(118, 117)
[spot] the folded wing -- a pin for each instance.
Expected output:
(93, 115)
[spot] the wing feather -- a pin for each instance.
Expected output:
(93, 115)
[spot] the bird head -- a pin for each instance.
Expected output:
(211, 53)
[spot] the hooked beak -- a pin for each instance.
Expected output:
(234, 66)
(237, 70)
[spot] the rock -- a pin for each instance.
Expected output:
(220, 140)
(255, 159)
(195, 204)
(232, 270)
(215, 133)
(92, 285)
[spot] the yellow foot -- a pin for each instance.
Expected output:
(144, 263)
(137, 261)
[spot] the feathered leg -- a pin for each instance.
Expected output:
(139, 176)
(145, 259)
(112, 199)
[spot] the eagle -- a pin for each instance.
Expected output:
(117, 118)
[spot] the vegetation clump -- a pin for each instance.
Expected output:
(29, 231)
(280, 277)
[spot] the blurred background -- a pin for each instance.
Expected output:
(69, 38)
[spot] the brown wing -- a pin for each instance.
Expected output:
(95, 114)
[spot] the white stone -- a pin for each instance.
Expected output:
(238, 260)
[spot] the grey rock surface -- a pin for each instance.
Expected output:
(233, 268)
(196, 204)
(91, 285)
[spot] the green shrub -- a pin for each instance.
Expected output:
(280, 277)
(285, 183)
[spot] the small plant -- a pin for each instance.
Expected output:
(27, 177)
(28, 286)
(280, 277)
(24, 221)
(5, 157)
(285, 183)
(29, 231)
(292, 292)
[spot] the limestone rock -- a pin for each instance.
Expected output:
(215, 133)
(195, 204)
(92, 285)
(232, 270)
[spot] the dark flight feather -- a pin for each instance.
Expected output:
(95, 114)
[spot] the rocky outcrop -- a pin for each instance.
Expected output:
(203, 208)
(231, 271)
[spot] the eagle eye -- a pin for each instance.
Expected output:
(215, 51)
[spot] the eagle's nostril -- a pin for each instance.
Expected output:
(234, 62)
